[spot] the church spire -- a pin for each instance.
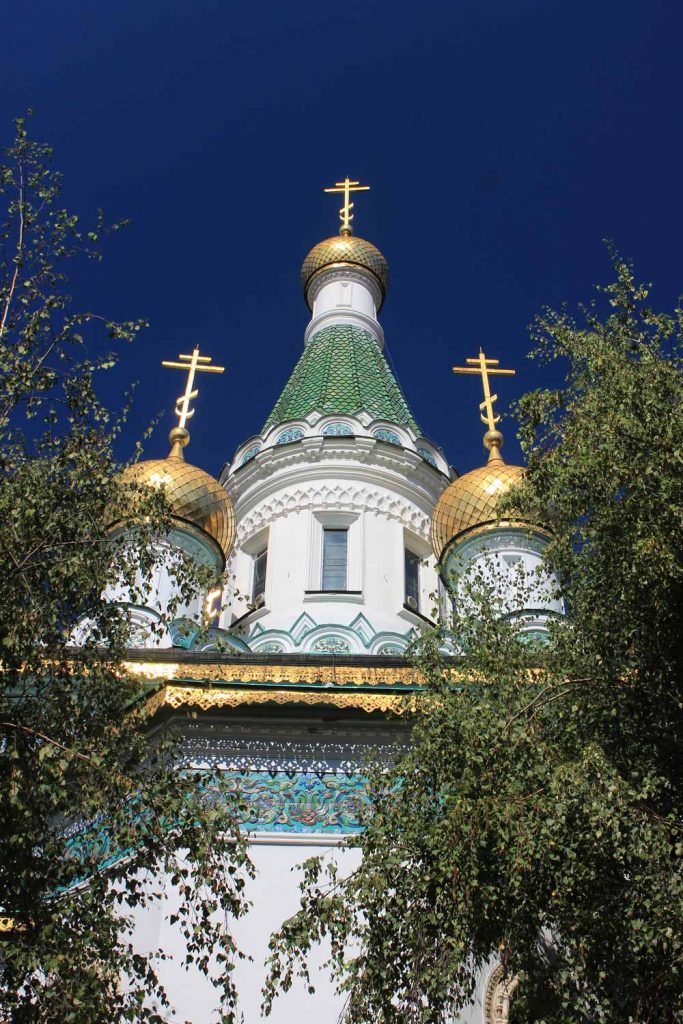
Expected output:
(345, 278)
(343, 370)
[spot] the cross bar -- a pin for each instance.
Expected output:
(347, 187)
(484, 367)
(192, 364)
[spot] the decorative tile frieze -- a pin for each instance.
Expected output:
(250, 453)
(306, 802)
(288, 436)
(337, 430)
(331, 645)
(428, 456)
(382, 434)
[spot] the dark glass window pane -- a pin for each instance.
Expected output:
(335, 544)
(412, 574)
(260, 565)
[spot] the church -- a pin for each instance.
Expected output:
(343, 533)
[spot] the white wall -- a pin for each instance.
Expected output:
(510, 560)
(274, 894)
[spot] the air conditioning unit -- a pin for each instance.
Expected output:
(411, 602)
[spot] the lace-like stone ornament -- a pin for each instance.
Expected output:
(391, 649)
(427, 456)
(387, 435)
(337, 430)
(250, 453)
(287, 436)
(332, 645)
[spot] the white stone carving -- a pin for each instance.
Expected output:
(321, 496)
(499, 992)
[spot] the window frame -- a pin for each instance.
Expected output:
(327, 555)
(411, 558)
(262, 553)
(354, 524)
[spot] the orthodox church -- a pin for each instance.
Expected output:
(336, 523)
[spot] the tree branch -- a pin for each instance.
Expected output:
(48, 739)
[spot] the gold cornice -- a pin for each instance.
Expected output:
(207, 698)
(301, 675)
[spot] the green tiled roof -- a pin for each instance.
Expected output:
(342, 370)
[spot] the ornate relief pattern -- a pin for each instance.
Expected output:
(250, 453)
(382, 434)
(272, 647)
(499, 992)
(331, 645)
(207, 698)
(332, 674)
(337, 430)
(342, 499)
(287, 436)
(306, 802)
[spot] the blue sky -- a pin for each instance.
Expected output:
(503, 140)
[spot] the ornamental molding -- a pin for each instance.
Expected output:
(499, 991)
(343, 316)
(305, 634)
(341, 497)
(363, 450)
(252, 748)
(208, 698)
(301, 675)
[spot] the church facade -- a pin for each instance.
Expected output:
(333, 522)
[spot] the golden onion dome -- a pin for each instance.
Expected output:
(195, 496)
(345, 250)
(471, 500)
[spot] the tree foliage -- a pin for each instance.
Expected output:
(537, 819)
(91, 819)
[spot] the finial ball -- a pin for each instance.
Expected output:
(493, 439)
(179, 436)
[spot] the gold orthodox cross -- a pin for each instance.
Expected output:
(484, 367)
(192, 364)
(347, 187)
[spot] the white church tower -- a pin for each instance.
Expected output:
(331, 574)
(334, 496)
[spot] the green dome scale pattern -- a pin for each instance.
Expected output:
(342, 371)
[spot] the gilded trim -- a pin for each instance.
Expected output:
(302, 675)
(208, 698)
